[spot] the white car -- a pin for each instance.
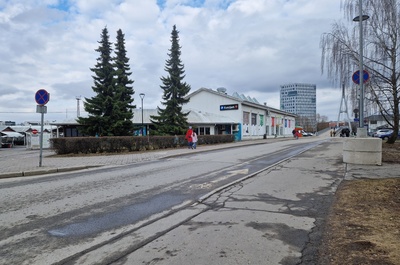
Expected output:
(307, 134)
(378, 133)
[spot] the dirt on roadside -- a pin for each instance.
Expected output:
(363, 226)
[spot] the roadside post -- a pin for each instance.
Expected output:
(41, 97)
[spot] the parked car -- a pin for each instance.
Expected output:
(307, 134)
(385, 136)
(380, 132)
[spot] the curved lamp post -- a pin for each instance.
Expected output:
(142, 96)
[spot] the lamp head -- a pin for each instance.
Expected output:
(357, 18)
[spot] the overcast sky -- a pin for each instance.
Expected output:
(247, 46)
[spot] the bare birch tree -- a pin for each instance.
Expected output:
(340, 54)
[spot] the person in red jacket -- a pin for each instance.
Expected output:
(188, 137)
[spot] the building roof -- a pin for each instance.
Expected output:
(24, 128)
(65, 122)
(245, 100)
(11, 134)
(379, 117)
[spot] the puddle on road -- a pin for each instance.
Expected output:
(125, 216)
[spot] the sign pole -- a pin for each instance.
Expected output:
(361, 132)
(361, 124)
(41, 97)
(41, 137)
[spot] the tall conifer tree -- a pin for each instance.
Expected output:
(172, 120)
(110, 110)
(123, 90)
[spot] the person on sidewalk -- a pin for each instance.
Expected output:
(194, 140)
(188, 137)
(295, 134)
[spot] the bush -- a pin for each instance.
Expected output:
(119, 144)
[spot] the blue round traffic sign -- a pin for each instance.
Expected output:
(356, 77)
(42, 97)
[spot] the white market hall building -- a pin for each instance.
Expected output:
(213, 112)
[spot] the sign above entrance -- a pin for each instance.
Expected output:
(229, 107)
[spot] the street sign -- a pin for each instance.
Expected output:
(34, 131)
(41, 109)
(42, 97)
(356, 77)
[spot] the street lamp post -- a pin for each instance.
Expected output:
(360, 19)
(142, 96)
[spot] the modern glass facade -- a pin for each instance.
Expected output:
(300, 99)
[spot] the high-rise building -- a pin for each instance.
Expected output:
(300, 99)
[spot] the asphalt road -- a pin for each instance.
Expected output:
(117, 214)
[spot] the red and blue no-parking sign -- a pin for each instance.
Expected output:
(356, 77)
(42, 97)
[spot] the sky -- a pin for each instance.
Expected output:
(251, 47)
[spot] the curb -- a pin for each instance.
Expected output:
(43, 171)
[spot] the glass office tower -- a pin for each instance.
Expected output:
(300, 99)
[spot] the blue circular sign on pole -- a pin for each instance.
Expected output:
(356, 77)
(42, 97)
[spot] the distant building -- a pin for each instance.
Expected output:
(7, 123)
(300, 99)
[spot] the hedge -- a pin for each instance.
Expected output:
(119, 144)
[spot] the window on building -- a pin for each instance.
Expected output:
(204, 131)
(246, 117)
(253, 119)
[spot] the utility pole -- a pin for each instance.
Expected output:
(78, 112)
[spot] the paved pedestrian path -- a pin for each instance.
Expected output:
(19, 161)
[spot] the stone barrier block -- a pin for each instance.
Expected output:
(362, 151)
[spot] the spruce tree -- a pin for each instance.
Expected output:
(172, 120)
(110, 110)
(124, 92)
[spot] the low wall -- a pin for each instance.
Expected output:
(362, 151)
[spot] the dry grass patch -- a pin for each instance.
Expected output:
(364, 224)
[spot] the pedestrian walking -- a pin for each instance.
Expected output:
(295, 134)
(194, 140)
(189, 137)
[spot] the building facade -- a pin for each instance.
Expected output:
(213, 112)
(300, 99)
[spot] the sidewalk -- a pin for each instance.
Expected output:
(19, 161)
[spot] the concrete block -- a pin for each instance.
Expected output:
(362, 151)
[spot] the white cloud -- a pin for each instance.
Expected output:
(247, 46)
